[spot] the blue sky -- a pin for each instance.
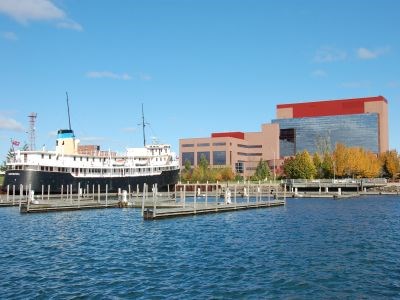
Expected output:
(197, 66)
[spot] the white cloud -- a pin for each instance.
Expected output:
(107, 74)
(7, 123)
(70, 24)
(319, 73)
(356, 85)
(24, 11)
(329, 54)
(364, 53)
(9, 35)
(145, 77)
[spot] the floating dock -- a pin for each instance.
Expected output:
(154, 214)
(41, 208)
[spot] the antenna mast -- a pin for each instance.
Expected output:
(32, 130)
(69, 118)
(143, 126)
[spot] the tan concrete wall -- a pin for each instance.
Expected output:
(381, 108)
(284, 113)
(268, 138)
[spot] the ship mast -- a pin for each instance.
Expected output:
(143, 127)
(69, 117)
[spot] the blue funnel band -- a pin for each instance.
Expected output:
(65, 133)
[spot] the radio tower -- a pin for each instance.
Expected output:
(32, 130)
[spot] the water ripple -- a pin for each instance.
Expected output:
(308, 249)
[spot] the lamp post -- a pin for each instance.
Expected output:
(274, 168)
(334, 171)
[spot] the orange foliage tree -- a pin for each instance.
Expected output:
(340, 160)
(355, 162)
(391, 163)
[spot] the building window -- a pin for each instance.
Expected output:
(188, 156)
(219, 144)
(287, 141)
(203, 145)
(239, 168)
(219, 158)
(187, 145)
(249, 154)
(249, 146)
(206, 155)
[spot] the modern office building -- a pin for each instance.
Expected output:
(361, 122)
(240, 150)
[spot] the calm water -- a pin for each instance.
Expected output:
(310, 249)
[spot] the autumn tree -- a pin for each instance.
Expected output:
(300, 167)
(355, 162)
(226, 174)
(201, 173)
(318, 165)
(340, 160)
(187, 171)
(372, 166)
(327, 166)
(391, 164)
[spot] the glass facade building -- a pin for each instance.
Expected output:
(357, 130)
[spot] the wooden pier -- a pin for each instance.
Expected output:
(152, 214)
(58, 207)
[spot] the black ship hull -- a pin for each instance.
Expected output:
(59, 181)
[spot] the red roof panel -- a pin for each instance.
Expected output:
(330, 107)
(236, 134)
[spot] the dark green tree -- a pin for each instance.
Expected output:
(262, 171)
(10, 157)
(203, 164)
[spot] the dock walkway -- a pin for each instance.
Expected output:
(201, 208)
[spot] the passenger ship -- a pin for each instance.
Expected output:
(55, 170)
